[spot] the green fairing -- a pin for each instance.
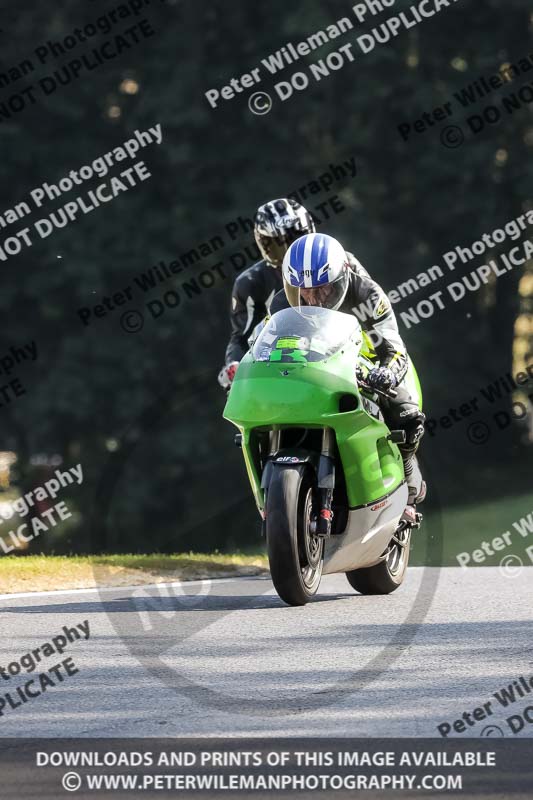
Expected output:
(273, 394)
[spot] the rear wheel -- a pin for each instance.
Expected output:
(388, 575)
(295, 553)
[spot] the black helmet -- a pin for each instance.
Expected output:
(277, 225)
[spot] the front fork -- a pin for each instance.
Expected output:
(326, 479)
(326, 483)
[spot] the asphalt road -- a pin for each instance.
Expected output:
(227, 658)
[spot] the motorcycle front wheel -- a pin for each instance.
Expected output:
(295, 553)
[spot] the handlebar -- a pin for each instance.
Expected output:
(390, 393)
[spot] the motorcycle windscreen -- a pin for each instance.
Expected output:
(308, 333)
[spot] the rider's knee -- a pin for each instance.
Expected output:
(414, 431)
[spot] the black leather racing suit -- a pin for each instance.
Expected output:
(253, 292)
(368, 302)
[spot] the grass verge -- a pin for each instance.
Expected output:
(47, 573)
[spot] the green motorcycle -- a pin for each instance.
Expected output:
(325, 470)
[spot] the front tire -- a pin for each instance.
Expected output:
(295, 554)
(388, 575)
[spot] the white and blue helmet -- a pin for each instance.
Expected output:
(316, 272)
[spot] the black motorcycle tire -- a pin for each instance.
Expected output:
(388, 575)
(294, 553)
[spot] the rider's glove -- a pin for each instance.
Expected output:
(382, 378)
(227, 374)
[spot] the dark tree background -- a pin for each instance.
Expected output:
(142, 411)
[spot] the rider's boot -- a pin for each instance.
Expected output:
(404, 414)
(416, 486)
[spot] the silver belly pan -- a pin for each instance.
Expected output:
(368, 532)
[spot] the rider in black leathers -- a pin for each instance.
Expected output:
(277, 224)
(353, 292)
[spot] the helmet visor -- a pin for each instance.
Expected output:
(273, 248)
(329, 295)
